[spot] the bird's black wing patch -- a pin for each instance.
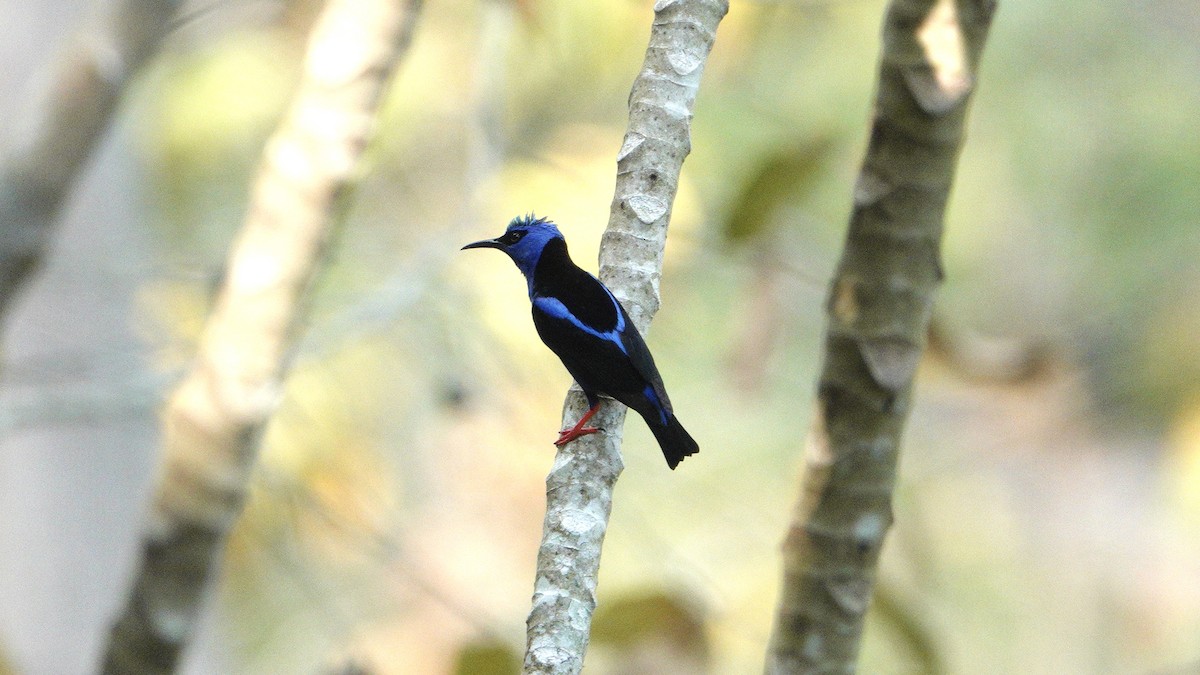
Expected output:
(580, 293)
(597, 360)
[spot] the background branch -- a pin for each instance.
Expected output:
(879, 307)
(69, 118)
(579, 486)
(215, 419)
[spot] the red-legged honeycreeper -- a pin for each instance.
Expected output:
(581, 321)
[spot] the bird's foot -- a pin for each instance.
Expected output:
(568, 435)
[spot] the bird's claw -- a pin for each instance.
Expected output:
(568, 435)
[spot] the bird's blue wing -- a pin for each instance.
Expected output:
(554, 311)
(596, 359)
(615, 362)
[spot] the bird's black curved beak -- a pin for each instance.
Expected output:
(486, 243)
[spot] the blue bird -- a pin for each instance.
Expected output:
(581, 321)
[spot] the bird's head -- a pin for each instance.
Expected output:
(523, 241)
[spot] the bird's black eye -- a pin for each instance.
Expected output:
(512, 237)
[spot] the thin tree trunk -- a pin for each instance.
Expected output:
(580, 484)
(878, 311)
(69, 119)
(214, 420)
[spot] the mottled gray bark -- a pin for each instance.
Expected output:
(47, 151)
(579, 487)
(215, 418)
(878, 312)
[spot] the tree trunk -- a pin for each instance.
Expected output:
(878, 312)
(214, 420)
(70, 118)
(579, 487)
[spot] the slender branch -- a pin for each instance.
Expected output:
(878, 308)
(579, 486)
(215, 418)
(68, 120)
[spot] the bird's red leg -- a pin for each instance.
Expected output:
(578, 430)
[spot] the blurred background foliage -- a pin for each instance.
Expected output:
(1048, 511)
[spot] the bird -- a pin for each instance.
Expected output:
(584, 324)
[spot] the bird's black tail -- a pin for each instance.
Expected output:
(675, 441)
